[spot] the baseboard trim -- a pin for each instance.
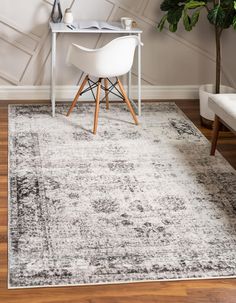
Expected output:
(66, 93)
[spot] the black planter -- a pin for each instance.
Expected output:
(56, 15)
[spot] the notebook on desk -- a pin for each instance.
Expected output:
(87, 24)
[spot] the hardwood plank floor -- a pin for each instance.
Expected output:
(199, 291)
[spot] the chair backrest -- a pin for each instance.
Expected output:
(114, 59)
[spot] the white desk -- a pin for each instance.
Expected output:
(57, 28)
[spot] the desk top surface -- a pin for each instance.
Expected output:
(63, 28)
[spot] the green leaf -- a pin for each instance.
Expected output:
(162, 23)
(222, 14)
(175, 14)
(169, 4)
(229, 17)
(173, 27)
(187, 21)
(195, 17)
(216, 16)
(194, 4)
(234, 22)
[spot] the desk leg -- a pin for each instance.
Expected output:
(139, 76)
(129, 84)
(53, 73)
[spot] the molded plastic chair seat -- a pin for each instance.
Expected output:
(112, 60)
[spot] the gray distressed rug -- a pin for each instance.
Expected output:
(133, 203)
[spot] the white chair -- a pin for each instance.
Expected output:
(111, 61)
(224, 107)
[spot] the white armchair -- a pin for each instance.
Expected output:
(112, 60)
(224, 107)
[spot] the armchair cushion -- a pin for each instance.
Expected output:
(224, 106)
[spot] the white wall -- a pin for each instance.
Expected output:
(168, 59)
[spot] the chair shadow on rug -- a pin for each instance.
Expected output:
(103, 116)
(79, 126)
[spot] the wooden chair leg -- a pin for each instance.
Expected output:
(127, 101)
(215, 135)
(97, 107)
(77, 95)
(106, 93)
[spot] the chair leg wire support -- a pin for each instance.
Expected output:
(109, 88)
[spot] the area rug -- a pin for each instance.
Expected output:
(131, 204)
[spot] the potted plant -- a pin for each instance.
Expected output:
(222, 15)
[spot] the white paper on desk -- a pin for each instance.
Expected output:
(86, 24)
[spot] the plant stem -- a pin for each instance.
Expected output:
(218, 59)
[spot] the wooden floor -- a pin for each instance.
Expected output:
(199, 291)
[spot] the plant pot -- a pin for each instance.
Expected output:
(206, 91)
